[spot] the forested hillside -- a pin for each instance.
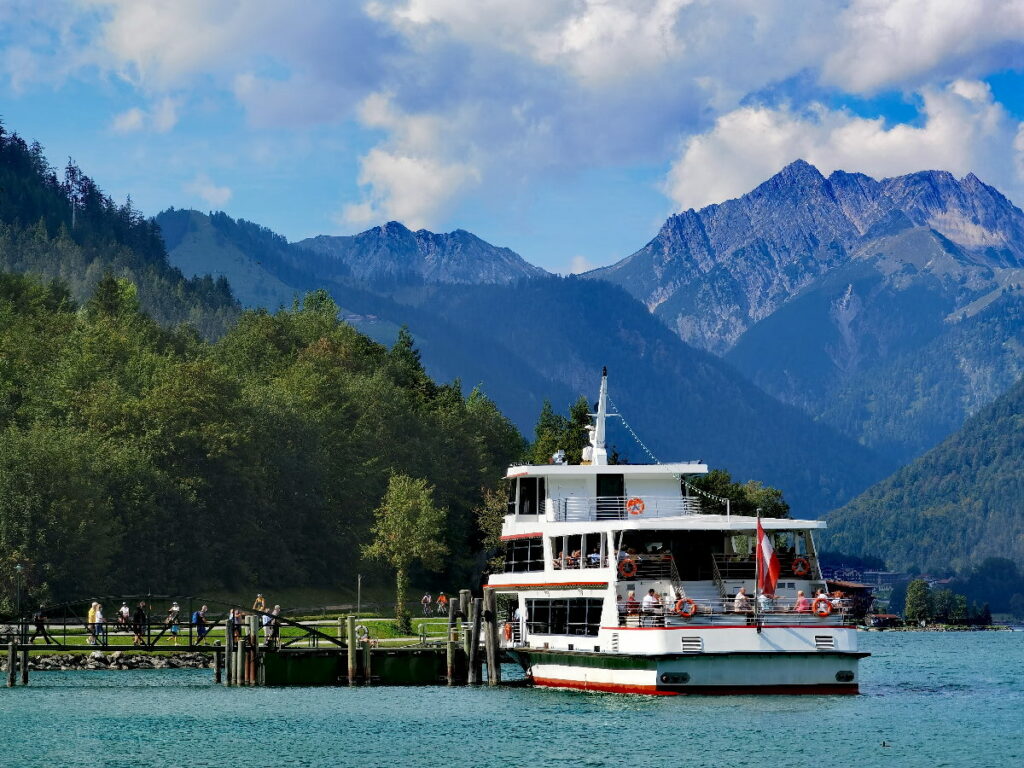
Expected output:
(136, 458)
(955, 506)
(69, 229)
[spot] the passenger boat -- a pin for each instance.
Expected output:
(585, 544)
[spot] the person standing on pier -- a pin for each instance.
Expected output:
(275, 626)
(139, 620)
(39, 619)
(260, 604)
(173, 621)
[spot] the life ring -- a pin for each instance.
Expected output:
(627, 568)
(507, 631)
(821, 607)
(362, 633)
(635, 506)
(685, 607)
(800, 566)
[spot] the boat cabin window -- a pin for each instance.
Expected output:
(580, 551)
(572, 616)
(531, 494)
(524, 555)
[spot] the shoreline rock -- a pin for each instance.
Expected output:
(119, 660)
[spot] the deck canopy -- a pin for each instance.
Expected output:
(587, 470)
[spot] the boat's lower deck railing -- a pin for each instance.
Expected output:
(728, 612)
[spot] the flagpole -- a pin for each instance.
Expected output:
(757, 572)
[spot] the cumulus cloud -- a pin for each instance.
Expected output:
(411, 177)
(160, 118)
(212, 194)
(901, 43)
(963, 130)
(510, 92)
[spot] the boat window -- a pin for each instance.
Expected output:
(572, 616)
(524, 555)
(531, 495)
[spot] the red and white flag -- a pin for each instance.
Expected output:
(767, 562)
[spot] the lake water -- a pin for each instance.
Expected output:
(939, 699)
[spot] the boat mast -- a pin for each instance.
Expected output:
(597, 434)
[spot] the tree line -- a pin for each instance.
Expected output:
(133, 457)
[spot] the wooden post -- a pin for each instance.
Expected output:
(491, 637)
(217, 657)
(467, 622)
(474, 642)
(465, 603)
(449, 642)
(229, 652)
(12, 663)
(24, 666)
(367, 672)
(351, 645)
(239, 658)
(254, 648)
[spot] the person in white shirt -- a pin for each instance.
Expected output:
(650, 605)
(741, 603)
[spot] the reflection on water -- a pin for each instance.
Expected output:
(934, 699)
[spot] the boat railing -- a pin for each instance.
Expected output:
(589, 508)
(647, 567)
(729, 612)
(732, 567)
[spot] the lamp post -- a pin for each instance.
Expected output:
(18, 569)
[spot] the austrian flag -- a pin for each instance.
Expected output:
(767, 563)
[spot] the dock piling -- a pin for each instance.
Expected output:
(12, 662)
(218, 658)
(24, 666)
(474, 642)
(366, 662)
(350, 642)
(491, 637)
(229, 652)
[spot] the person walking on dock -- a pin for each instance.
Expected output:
(275, 626)
(173, 621)
(39, 619)
(123, 613)
(139, 620)
(90, 624)
(99, 626)
(199, 621)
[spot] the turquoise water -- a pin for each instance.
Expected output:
(938, 699)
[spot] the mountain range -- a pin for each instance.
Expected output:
(864, 303)
(541, 337)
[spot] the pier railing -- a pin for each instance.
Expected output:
(585, 509)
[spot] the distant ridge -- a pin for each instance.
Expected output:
(392, 252)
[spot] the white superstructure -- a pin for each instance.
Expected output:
(615, 579)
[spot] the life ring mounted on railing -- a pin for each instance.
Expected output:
(635, 506)
(627, 568)
(362, 633)
(800, 566)
(821, 607)
(686, 607)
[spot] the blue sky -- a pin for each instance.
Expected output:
(565, 129)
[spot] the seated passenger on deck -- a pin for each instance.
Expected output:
(803, 603)
(594, 558)
(558, 560)
(765, 603)
(741, 603)
(632, 606)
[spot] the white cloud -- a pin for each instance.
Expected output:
(129, 120)
(579, 264)
(412, 176)
(160, 118)
(963, 130)
(213, 195)
(901, 43)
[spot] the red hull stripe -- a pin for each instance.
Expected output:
(521, 536)
(725, 626)
(552, 585)
(702, 690)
